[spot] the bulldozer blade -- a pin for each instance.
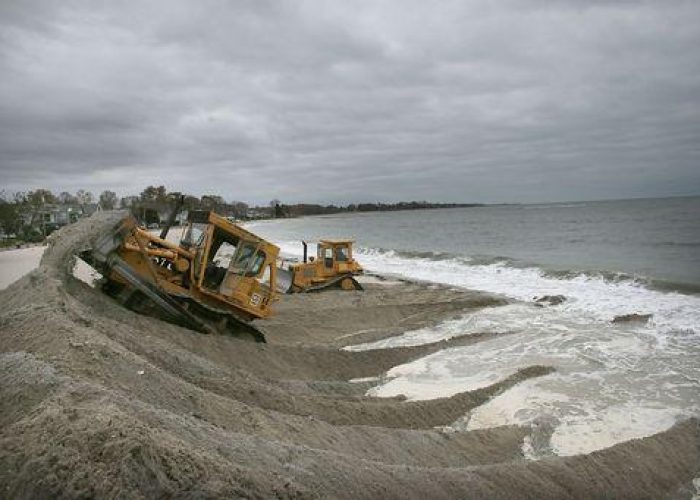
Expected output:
(285, 279)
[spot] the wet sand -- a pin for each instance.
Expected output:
(98, 401)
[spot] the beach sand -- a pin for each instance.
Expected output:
(17, 262)
(98, 401)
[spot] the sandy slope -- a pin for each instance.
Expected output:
(95, 400)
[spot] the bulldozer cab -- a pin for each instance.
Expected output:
(230, 265)
(335, 255)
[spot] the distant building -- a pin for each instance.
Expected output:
(257, 213)
(53, 216)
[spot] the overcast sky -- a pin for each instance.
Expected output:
(345, 101)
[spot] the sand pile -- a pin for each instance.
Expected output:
(95, 400)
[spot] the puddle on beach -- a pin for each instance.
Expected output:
(613, 382)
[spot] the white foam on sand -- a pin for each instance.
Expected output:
(373, 280)
(578, 425)
(612, 383)
(443, 331)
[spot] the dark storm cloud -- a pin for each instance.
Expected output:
(353, 101)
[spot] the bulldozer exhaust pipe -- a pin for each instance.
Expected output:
(171, 220)
(306, 252)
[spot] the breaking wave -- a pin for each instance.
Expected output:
(562, 274)
(597, 295)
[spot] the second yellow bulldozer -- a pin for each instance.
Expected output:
(333, 267)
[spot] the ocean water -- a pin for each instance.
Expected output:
(613, 381)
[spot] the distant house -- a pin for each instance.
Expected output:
(257, 213)
(53, 216)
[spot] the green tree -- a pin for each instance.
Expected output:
(20, 198)
(212, 202)
(240, 209)
(40, 197)
(10, 221)
(84, 197)
(191, 203)
(66, 198)
(154, 194)
(108, 200)
(37, 200)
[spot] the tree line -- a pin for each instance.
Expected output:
(155, 202)
(302, 209)
(20, 211)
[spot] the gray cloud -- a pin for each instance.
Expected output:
(353, 101)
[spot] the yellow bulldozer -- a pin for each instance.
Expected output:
(333, 267)
(217, 279)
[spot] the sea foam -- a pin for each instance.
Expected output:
(613, 381)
